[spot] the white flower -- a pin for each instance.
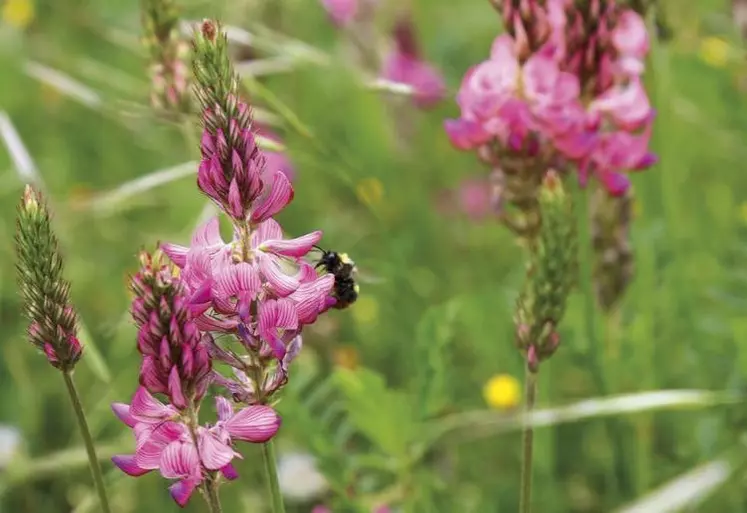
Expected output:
(299, 478)
(10, 444)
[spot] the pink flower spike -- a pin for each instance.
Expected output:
(257, 424)
(297, 247)
(280, 195)
(342, 12)
(127, 464)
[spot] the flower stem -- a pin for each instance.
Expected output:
(530, 391)
(93, 461)
(273, 487)
(211, 496)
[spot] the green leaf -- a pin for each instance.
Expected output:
(385, 416)
(434, 333)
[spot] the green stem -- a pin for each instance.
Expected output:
(211, 496)
(273, 487)
(530, 391)
(596, 358)
(93, 461)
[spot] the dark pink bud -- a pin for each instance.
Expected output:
(169, 339)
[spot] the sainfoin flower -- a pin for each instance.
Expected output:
(166, 442)
(268, 275)
(553, 101)
(242, 302)
(405, 65)
(341, 12)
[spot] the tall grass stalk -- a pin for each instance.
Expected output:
(619, 481)
(93, 460)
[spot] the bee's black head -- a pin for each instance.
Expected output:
(330, 260)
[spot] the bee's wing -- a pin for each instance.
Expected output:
(370, 279)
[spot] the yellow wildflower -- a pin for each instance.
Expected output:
(502, 392)
(370, 191)
(365, 310)
(714, 51)
(346, 357)
(18, 13)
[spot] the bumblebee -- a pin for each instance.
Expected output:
(343, 269)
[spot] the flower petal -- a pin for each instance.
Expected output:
(297, 247)
(146, 408)
(182, 491)
(281, 193)
(229, 472)
(127, 464)
(224, 408)
(215, 454)
(177, 253)
(281, 283)
(122, 411)
(256, 424)
(208, 234)
(180, 460)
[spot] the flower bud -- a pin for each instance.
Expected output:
(613, 254)
(551, 274)
(176, 360)
(46, 294)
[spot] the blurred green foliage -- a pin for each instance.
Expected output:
(437, 324)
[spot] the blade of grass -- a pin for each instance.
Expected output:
(485, 423)
(94, 360)
(25, 471)
(19, 155)
(687, 490)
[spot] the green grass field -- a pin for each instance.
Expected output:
(436, 324)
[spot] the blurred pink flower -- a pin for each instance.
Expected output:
(404, 65)
(275, 160)
(499, 98)
(342, 12)
(626, 105)
(474, 198)
(531, 103)
(630, 39)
